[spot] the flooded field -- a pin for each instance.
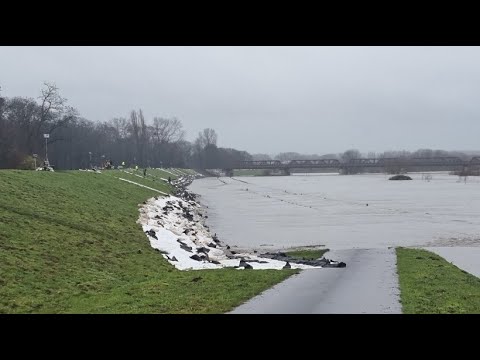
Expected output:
(342, 212)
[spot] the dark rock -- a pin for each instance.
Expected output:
(257, 261)
(334, 264)
(186, 248)
(203, 250)
(196, 257)
(173, 258)
(244, 264)
(317, 262)
(197, 279)
(215, 262)
(151, 233)
(228, 247)
(212, 245)
(287, 266)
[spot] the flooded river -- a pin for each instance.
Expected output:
(342, 212)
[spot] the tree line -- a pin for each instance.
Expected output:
(356, 154)
(76, 142)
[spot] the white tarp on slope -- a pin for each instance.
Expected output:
(179, 237)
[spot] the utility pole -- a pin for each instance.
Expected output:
(46, 136)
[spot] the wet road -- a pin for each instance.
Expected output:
(368, 285)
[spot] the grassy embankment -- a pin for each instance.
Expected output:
(431, 285)
(307, 254)
(69, 243)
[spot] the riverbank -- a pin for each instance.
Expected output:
(429, 284)
(175, 226)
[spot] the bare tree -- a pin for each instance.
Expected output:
(351, 154)
(140, 135)
(54, 112)
(167, 130)
(121, 126)
(206, 137)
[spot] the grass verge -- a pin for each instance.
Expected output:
(431, 285)
(307, 254)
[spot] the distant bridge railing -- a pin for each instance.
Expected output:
(369, 162)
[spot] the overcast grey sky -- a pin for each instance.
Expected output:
(271, 99)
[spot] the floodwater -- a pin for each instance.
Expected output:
(342, 212)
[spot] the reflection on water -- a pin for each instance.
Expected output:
(340, 212)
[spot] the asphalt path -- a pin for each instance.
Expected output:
(367, 285)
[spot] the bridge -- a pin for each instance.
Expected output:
(399, 164)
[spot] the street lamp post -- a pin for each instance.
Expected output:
(90, 154)
(35, 160)
(46, 136)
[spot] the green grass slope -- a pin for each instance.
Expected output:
(431, 285)
(69, 243)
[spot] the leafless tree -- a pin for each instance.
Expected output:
(351, 154)
(206, 137)
(167, 130)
